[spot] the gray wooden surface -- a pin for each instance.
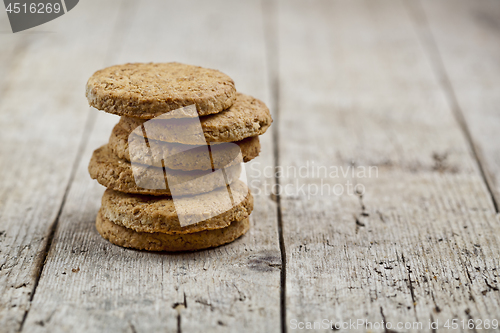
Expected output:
(408, 88)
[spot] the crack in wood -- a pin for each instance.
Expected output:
(206, 303)
(433, 329)
(386, 330)
(179, 307)
(491, 287)
(410, 285)
(436, 306)
(469, 317)
(42, 322)
(363, 215)
(132, 327)
(269, 12)
(42, 256)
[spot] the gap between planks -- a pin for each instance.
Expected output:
(269, 9)
(40, 262)
(201, 306)
(398, 286)
(116, 35)
(424, 33)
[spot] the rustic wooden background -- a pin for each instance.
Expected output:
(411, 87)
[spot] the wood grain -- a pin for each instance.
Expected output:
(42, 129)
(467, 43)
(356, 89)
(407, 88)
(89, 284)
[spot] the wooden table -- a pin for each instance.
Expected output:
(408, 88)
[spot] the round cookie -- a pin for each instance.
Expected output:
(122, 236)
(247, 117)
(195, 158)
(144, 213)
(118, 174)
(147, 90)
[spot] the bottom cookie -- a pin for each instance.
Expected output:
(125, 237)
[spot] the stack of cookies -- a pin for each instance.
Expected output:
(173, 164)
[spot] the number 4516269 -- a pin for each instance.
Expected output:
(33, 8)
(476, 324)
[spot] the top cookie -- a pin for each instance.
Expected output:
(147, 90)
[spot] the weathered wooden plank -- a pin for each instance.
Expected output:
(42, 127)
(468, 43)
(13, 50)
(232, 288)
(356, 90)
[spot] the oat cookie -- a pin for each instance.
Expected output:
(117, 174)
(122, 236)
(195, 158)
(247, 117)
(144, 213)
(147, 90)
